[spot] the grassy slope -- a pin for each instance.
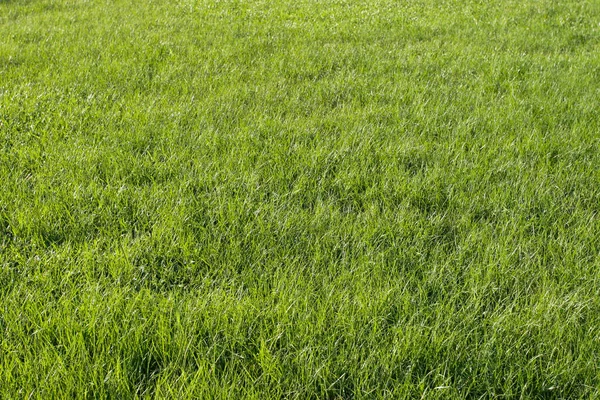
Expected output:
(299, 198)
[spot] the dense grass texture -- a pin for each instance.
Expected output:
(299, 199)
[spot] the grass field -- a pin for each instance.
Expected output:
(334, 199)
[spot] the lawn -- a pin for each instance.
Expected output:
(303, 199)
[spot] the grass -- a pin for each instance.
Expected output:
(299, 199)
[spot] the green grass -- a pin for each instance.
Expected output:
(333, 199)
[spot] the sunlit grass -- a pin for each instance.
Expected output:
(299, 199)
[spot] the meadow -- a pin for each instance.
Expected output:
(335, 199)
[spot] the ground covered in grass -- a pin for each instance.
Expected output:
(300, 199)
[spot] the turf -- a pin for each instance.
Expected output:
(334, 199)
